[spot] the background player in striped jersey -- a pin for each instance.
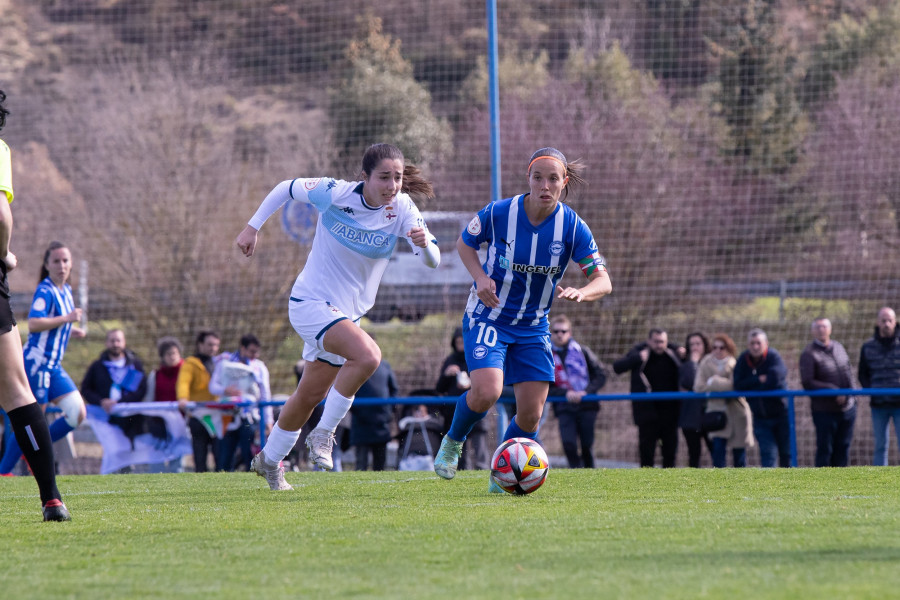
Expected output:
(358, 226)
(531, 238)
(25, 420)
(50, 325)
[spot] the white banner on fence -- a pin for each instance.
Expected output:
(127, 443)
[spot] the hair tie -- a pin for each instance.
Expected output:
(564, 165)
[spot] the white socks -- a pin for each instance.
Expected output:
(279, 443)
(336, 407)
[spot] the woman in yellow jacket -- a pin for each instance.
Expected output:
(193, 386)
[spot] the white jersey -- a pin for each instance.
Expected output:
(353, 240)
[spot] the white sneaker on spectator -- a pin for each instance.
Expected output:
(274, 473)
(320, 441)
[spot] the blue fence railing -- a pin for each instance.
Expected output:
(508, 398)
(615, 397)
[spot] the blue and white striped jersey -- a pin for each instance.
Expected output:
(353, 240)
(48, 347)
(526, 262)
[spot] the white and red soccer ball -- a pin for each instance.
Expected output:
(519, 466)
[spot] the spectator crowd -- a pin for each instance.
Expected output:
(217, 392)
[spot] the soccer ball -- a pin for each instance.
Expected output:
(519, 466)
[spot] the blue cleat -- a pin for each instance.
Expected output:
(493, 488)
(447, 458)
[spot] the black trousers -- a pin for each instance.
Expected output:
(379, 456)
(203, 443)
(242, 438)
(695, 440)
(834, 434)
(576, 431)
(658, 430)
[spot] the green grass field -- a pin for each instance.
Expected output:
(750, 533)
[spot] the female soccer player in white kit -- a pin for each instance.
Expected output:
(358, 226)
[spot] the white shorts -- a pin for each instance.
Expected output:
(311, 319)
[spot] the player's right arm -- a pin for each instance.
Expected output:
(6, 223)
(485, 287)
(290, 189)
(471, 238)
(39, 318)
(247, 238)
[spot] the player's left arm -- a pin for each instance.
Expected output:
(418, 235)
(592, 264)
(598, 286)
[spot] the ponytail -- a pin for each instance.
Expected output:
(415, 184)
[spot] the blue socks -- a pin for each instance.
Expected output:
(58, 430)
(11, 452)
(464, 419)
(514, 431)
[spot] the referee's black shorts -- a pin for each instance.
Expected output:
(7, 320)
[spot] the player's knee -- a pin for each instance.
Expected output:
(528, 421)
(370, 359)
(481, 399)
(72, 407)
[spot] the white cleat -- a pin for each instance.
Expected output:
(274, 473)
(319, 441)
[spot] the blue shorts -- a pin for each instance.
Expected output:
(521, 355)
(48, 384)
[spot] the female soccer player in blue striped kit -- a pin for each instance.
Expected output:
(50, 324)
(531, 238)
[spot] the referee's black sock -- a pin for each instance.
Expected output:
(33, 436)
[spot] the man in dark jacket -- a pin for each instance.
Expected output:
(824, 365)
(761, 368)
(118, 376)
(879, 367)
(654, 367)
(454, 381)
(370, 428)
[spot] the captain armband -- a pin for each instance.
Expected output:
(592, 264)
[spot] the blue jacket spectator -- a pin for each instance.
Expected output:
(761, 368)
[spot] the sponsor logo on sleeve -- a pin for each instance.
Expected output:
(474, 227)
(310, 184)
(39, 305)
